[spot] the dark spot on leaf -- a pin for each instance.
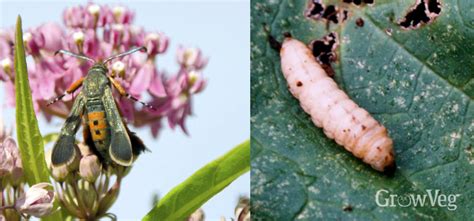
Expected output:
(360, 22)
(299, 84)
(347, 208)
(423, 12)
(434, 6)
(324, 51)
(331, 14)
(317, 10)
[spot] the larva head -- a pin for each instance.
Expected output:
(381, 156)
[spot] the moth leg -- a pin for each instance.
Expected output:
(74, 86)
(123, 93)
(63, 150)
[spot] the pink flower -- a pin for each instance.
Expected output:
(143, 79)
(90, 167)
(52, 34)
(156, 43)
(191, 58)
(33, 42)
(98, 32)
(38, 200)
(157, 87)
(10, 161)
(122, 15)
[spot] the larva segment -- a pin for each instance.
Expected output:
(331, 109)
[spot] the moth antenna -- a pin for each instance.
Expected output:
(74, 55)
(131, 51)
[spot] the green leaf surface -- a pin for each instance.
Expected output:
(29, 137)
(418, 83)
(191, 194)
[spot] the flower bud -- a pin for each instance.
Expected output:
(38, 200)
(59, 173)
(118, 11)
(90, 168)
(10, 161)
(193, 77)
(94, 9)
(198, 215)
(78, 38)
(33, 42)
(122, 15)
(7, 66)
(191, 58)
(118, 69)
(156, 43)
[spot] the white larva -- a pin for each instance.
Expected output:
(331, 108)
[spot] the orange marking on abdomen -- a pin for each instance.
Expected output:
(98, 125)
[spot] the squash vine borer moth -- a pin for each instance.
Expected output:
(104, 130)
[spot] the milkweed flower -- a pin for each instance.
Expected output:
(14, 201)
(99, 31)
(10, 161)
(37, 201)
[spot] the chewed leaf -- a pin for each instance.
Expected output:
(417, 83)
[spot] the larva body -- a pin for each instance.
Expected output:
(331, 108)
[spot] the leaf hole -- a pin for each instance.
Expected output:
(317, 10)
(324, 50)
(423, 12)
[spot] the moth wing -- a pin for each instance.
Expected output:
(63, 150)
(120, 145)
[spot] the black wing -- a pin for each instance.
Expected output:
(120, 145)
(64, 151)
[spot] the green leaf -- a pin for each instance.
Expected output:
(29, 137)
(418, 83)
(188, 196)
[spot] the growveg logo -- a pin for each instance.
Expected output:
(433, 198)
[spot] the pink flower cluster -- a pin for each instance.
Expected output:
(99, 31)
(36, 201)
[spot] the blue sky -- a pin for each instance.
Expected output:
(222, 111)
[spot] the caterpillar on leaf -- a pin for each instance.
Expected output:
(331, 109)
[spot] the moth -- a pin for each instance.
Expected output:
(104, 130)
(331, 109)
